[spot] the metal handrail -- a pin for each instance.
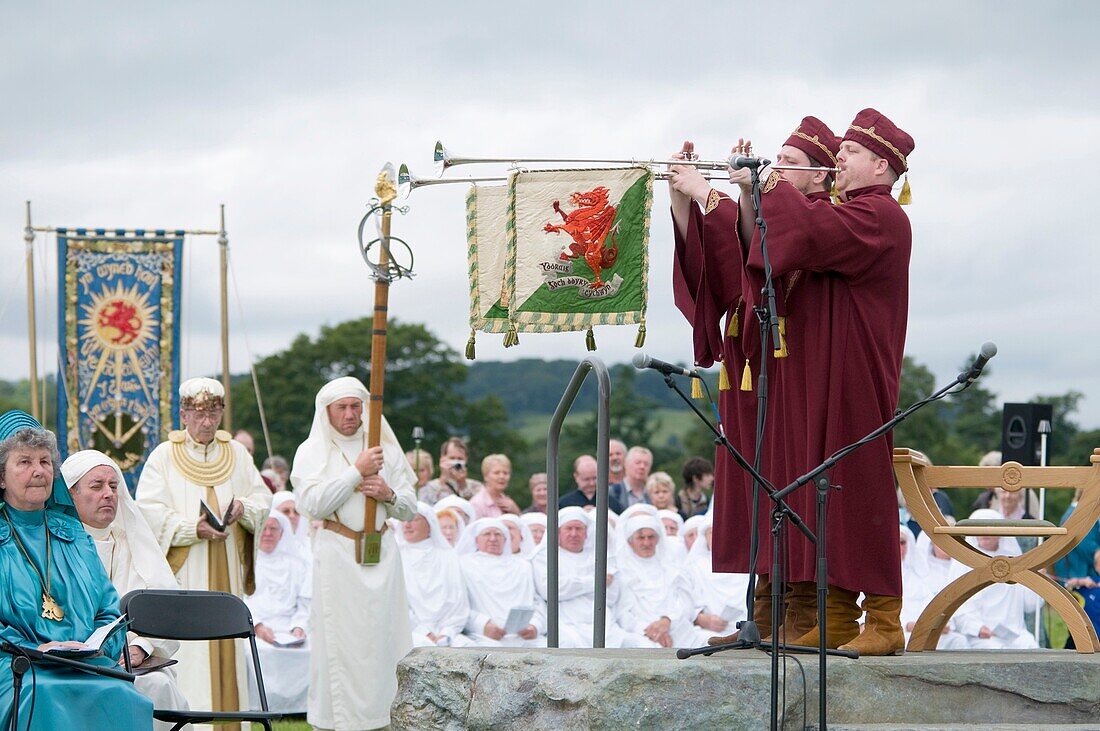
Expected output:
(603, 437)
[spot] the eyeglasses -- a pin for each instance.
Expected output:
(208, 416)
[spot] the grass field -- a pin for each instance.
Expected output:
(674, 423)
(294, 724)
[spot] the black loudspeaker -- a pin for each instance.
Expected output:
(1020, 432)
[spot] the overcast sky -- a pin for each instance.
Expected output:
(151, 114)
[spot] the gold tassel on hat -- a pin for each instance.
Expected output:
(746, 377)
(723, 378)
(590, 340)
(696, 388)
(640, 340)
(834, 194)
(906, 195)
(734, 328)
(781, 351)
(470, 345)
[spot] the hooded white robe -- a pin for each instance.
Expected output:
(133, 560)
(927, 575)
(711, 592)
(359, 619)
(651, 588)
(281, 603)
(497, 584)
(437, 593)
(170, 504)
(302, 539)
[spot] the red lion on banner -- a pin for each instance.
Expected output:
(588, 225)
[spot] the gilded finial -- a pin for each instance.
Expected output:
(385, 187)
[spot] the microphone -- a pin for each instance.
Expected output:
(739, 162)
(642, 362)
(989, 349)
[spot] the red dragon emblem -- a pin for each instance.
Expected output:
(589, 225)
(118, 321)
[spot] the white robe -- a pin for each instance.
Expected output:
(437, 593)
(712, 592)
(652, 588)
(170, 504)
(1000, 607)
(922, 579)
(132, 558)
(359, 618)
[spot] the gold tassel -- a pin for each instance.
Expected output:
(834, 194)
(696, 388)
(746, 378)
(734, 328)
(723, 378)
(470, 346)
(640, 340)
(511, 337)
(590, 340)
(781, 351)
(906, 195)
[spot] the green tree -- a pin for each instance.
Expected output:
(424, 379)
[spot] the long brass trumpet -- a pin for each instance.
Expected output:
(445, 159)
(407, 182)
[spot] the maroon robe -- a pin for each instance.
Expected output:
(842, 282)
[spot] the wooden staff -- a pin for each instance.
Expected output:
(386, 190)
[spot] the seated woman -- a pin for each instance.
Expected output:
(691, 529)
(438, 606)
(498, 581)
(931, 570)
(719, 599)
(536, 523)
(286, 503)
(519, 534)
(56, 593)
(280, 610)
(993, 619)
(655, 606)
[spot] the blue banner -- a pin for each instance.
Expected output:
(119, 315)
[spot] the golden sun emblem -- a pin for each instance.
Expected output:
(117, 326)
(119, 317)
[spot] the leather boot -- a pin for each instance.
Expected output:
(761, 614)
(882, 633)
(841, 620)
(801, 616)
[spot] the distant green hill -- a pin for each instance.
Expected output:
(535, 386)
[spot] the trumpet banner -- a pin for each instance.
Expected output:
(578, 248)
(487, 247)
(119, 316)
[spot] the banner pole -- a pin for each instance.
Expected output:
(32, 322)
(223, 247)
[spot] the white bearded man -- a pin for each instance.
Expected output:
(576, 581)
(438, 605)
(133, 561)
(360, 615)
(202, 465)
(498, 581)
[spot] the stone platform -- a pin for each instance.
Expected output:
(482, 688)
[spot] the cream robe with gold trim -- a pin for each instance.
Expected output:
(170, 504)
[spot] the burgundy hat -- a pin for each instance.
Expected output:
(813, 137)
(877, 133)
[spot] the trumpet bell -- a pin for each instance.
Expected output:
(404, 181)
(442, 159)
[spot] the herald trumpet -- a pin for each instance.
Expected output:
(445, 160)
(407, 182)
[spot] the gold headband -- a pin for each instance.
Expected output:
(814, 140)
(870, 132)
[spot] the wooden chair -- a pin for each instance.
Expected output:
(917, 477)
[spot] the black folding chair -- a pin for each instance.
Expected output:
(197, 615)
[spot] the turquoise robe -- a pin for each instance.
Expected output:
(62, 698)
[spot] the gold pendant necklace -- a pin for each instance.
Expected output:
(50, 608)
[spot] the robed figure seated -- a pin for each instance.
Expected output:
(54, 594)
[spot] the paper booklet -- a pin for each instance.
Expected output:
(1005, 633)
(518, 619)
(730, 613)
(94, 644)
(285, 639)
